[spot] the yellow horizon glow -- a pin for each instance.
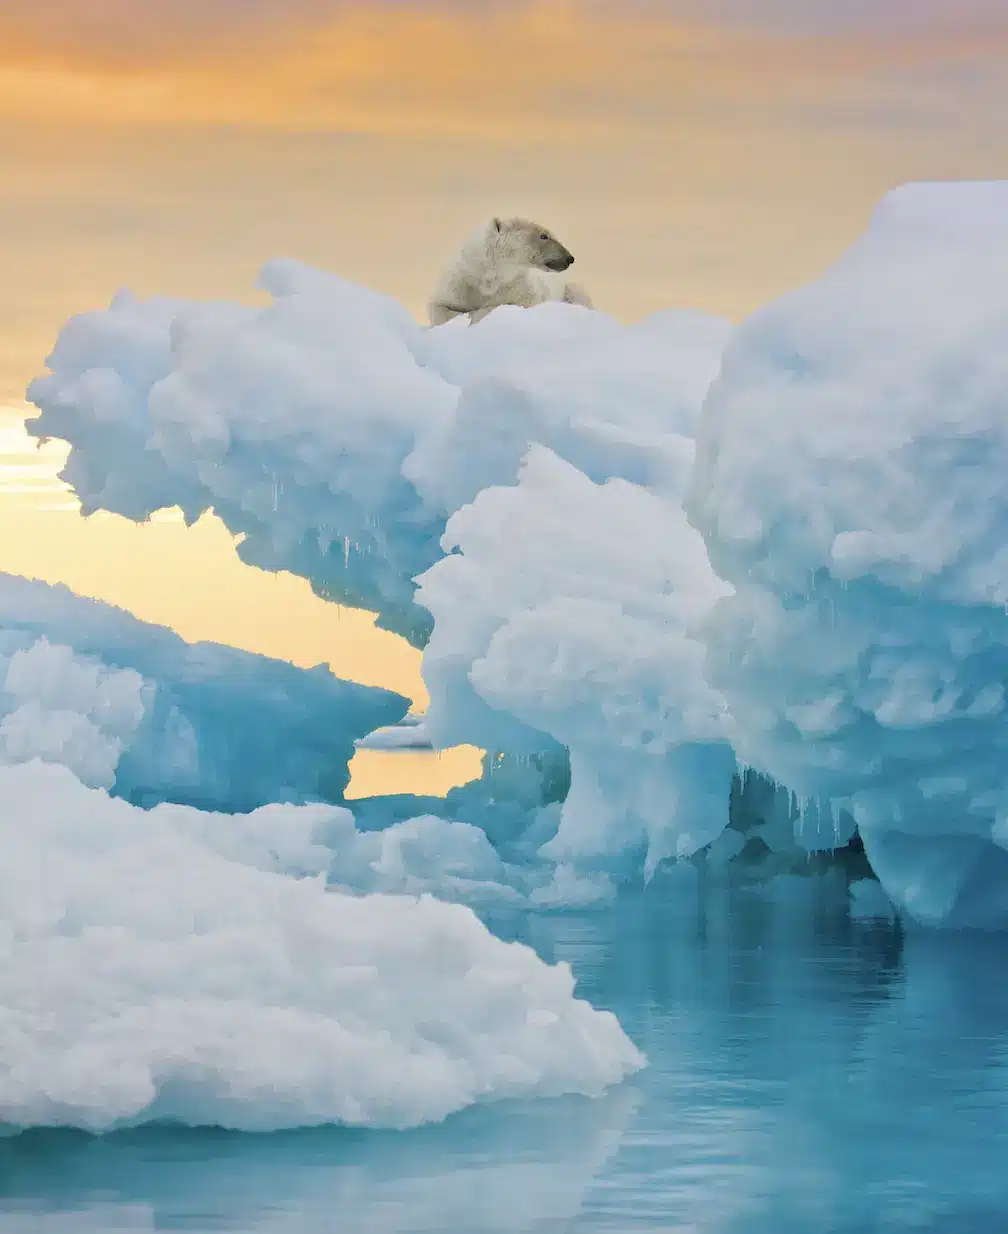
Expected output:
(193, 581)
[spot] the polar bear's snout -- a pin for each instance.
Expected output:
(560, 260)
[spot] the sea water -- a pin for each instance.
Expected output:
(808, 1073)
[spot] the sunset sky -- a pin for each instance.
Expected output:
(702, 154)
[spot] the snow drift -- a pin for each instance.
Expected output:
(831, 612)
(131, 707)
(161, 966)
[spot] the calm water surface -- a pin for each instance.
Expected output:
(807, 1073)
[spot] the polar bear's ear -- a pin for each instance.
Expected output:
(496, 224)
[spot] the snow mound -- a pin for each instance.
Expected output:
(130, 707)
(849, 484)
(613, 400)
(155, 966)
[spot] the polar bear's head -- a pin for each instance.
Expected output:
(523, 243)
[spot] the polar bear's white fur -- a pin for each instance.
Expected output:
(507, 261)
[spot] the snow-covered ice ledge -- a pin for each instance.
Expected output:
(819, 594)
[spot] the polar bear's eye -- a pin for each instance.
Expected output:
(544, 235)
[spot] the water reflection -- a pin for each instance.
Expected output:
(527, 1171)
(807, 1073)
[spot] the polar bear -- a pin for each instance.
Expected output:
(508, 261)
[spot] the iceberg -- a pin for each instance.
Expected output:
(166, 965)
(340, 439)
(849, 486)
(700, 592)
(130, 707)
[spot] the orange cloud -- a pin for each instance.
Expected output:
(529, 73)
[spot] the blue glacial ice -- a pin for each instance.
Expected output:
(130, 707)
(849, 484)
(670, 564)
